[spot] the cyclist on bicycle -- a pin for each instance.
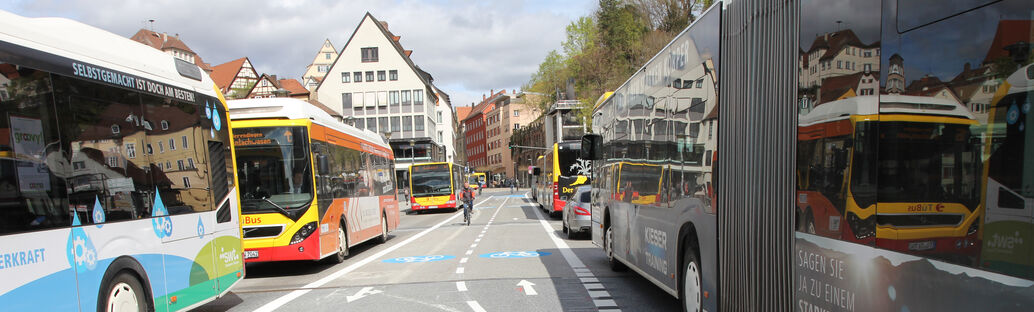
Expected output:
(468, 203)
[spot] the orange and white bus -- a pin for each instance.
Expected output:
(311, 186)
(435, 186)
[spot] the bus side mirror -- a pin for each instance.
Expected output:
(536, 171)
(592, 147)
(323, 164)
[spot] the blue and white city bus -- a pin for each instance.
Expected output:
(116, 174)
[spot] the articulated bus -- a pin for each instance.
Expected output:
(562, 171)
(435, 186)
(926, 207)
(476, 180)
(117, 185)
(311, 186)
(914, 170)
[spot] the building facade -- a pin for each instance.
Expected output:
(508, 112)
(235, 78)
(317, 70)
(375, 85)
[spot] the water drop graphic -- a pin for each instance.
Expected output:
(217, 122)
(208, 110)
(200, 228)
(162, 225)
(1013, 115)
(98, 212)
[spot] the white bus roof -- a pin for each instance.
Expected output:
(1021, 80)
(290, 108)
(78, 41)
(888, 104)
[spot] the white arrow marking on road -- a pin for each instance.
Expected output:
(366, 291)
(528, 290)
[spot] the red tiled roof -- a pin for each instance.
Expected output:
(462, 112)
(834, 87)
(928, 82)
(834, 42)
(160, 41)
(293, 86)
(224, 73)
(1009, 32)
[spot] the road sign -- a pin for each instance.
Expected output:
(418, 259)
(514, 254)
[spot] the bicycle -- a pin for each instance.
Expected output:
(466, 213)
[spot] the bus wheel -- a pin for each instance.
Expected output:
(615, 264)
(690, 295)
(125, 293)
(384, 230)
(342, 242)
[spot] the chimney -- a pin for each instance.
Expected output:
(385, 24)
(965, 67)
(514, 91)
(165, 37)
(491, 91)
(483, 98)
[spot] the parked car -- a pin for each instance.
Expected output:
(577, 216)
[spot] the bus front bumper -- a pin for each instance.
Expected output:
(308, 249)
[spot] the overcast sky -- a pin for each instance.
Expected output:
(469, 47)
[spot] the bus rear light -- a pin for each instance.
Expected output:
(581, 211)
(303, 233)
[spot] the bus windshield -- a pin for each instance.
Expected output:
(431, 180)
(928, 162)
(273, 168)
(570, 164)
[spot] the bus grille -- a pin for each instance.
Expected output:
(262, 231)
(918, 220)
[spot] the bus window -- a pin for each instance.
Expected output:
(32, 184)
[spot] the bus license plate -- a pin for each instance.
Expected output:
(921, 246)
(249, 254)
(432, 207)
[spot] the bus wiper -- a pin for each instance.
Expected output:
(278, 208)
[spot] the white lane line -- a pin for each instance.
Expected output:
(475, 306)
(464, 260)
(478, 240)
(481, 235)
(473, 245)
(459, 270)
(601, 298)
(279, 302)
(469, 252)
(461, 286)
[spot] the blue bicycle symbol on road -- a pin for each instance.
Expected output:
(514, 254)
(418, 259)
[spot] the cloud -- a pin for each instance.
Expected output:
(469, 47)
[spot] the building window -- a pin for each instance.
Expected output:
(112, 161)
(406, 101)
(371, 123)
(172, 144)
(407, 123)
(395, 124)
(190, 163)
(161, 147)
(380, 75)
(393, 75)
(383, 121)
(345, 76)
(150, 149)
(184, 140)
(321, 68)
(326, 56)
(516, 126)
(131, 150)
(369, 76)
(439, 117)
(179, 164)
(346, 102)
(165, 125)
(839, 65)
(369, 55)
(418, 124)
(115, 129)
(516, 113)
(393, 98)
(186, 182)
(358, 76)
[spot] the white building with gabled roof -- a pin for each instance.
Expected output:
(375, 85)
(320, 65)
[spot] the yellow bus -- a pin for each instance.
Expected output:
(311, 186)
(926, 207)
(435, 186)
(477, 180)
(562, 172)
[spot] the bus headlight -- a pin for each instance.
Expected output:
(303, 233)
(862, 228)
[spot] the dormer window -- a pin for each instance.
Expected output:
(165, 125)
(115, 129)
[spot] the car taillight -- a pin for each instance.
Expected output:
(556, 189)
(581, 211)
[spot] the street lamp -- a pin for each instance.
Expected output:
(412, 151)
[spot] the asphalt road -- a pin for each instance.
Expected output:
(512, 257)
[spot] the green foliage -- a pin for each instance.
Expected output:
(603, 49)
